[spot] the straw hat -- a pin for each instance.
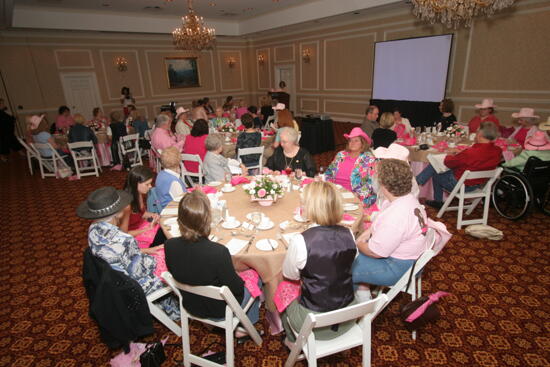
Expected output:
(486, 103)
(545, 125)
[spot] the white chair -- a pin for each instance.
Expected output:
(155, 156)
(84, 151)
(482, 193)
(52, 163)
(359, 334)
(270, 120)
(234, 315)
(31, 152)
(254, 150)
(185, 173)
(158, 313)
(415, 287)
(129, 145)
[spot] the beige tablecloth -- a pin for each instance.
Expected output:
(268, 264)
(62, 140)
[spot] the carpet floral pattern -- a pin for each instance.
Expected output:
(498, 313)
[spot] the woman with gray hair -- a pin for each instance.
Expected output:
(162, 137)
(215, 165)
(289, 156)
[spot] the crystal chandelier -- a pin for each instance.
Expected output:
(194, 34)
(454, 13)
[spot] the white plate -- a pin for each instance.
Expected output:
(266, 244)
(348, 207)
(214, 183)
(232, 225)
(284, 225)
(298, 218)
(265, 226)
(171, 221)
(231, 189)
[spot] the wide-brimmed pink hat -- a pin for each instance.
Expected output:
(538, 141)
(34, 121)
(394, 151)
(357, 131)
(181, 110)
(279, 106)
(525, 112)
(486, 103)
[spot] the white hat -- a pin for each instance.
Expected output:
(279, 106)
(394, 151)
(181, 110)
(525, 112)
(486, 103)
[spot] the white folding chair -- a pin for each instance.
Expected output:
(270, 120)
(129, 144)
(234, 315)
(254, 150)
(154, 156)
(31, 152)
(185, 173)
(84, 151)
(52, 163)
(158, 313)
(459, 191)
(359, 334)
(415, 288)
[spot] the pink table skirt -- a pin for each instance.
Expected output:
(426, 190)
(104, 153)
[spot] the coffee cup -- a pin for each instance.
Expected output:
(265, 221)
(227, 186)
(231, 220)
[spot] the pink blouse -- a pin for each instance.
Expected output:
(194, 145)
(343, 173)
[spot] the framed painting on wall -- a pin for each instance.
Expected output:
(182, 72)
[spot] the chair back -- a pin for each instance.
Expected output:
(348, 313)
(130, 144)
(28, 148)
(80, 144)
(84, 152)
(254, 150)
(191, 158)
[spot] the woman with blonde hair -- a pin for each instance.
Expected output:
(384, 135)
(353, 168)
(168, 184)
(321, 258)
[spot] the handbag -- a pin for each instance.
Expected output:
(153, 356)
(421, 311)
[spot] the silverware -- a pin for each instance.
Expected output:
(281, 239)
(272, 248)
(249, 243)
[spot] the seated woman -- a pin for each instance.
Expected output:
(195, 260)
(105, 206)
(80, 132)
(169, 185)
(397, 235)
(284, 119)
(219, 120)
(527, 121)
(446, 107)
(215, 165)
(289, 156)
(39, 130)
(249, 138)
(138, 222)
(384, 135)
(64, 120)
(194, 144)
(402, 125)
(353, 168)
(183, 124)
(321, 258)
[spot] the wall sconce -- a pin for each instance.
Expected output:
(306, 55)
(121, 63)
(261, 59)
(231, 61)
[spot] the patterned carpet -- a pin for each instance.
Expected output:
(498, 315)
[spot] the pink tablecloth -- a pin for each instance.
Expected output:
(104, 154)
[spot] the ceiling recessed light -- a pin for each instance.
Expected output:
(106, 5)
(212, 3)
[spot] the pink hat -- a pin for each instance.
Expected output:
(486, 103)
(279, 106)
(525, 113)
(357, 131)
(181, 110)
(394, 151)
(34, 121)
(538, 141)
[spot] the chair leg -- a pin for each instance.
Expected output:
(367, 344)
(460, 212)
(486, 209)
(29, 162)
(185, 340)
(229, 347)
(472, 206)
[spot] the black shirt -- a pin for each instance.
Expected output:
(303, 160)
(447, 121)
(383, 137)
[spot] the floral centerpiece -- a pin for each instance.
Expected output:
(265, 190)
(228, 128)
(455, 130)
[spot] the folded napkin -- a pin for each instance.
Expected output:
(169, 211)
(240, 128)
(441, 146)
(251, 279)
(206, 189)
(306, 181)
(287, 291)
(236, 180)
(161, 263)
(408, 141)
(235, 245)
(348, 218)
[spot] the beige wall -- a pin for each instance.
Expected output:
(507, 58)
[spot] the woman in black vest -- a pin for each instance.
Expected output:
(321, 257)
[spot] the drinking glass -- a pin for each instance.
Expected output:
(228, 177)
(299, 174)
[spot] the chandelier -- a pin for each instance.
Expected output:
(194, 34)
(453, 13)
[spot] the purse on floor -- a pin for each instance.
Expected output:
(153, 356)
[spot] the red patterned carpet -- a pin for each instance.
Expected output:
(498, 315)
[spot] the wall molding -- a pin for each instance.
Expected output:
(221, 62)
(90, 58)
(268, 62)
(293, 59)
(317, 76)
(102, 60)
(342, 101)
(302, 109)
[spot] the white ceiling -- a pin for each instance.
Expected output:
(228, 17)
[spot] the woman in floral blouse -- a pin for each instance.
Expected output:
(353, 168)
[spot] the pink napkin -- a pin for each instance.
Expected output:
(347, 217)
(251, 278)
(508, 155)
(407, 141)
(161, 263)
(441, 146)
(240, 128)
(235, 180)
(264, 137)
(400, 130)
(287, 291)
(205, 189)
(145, 239)
(269, 132)
(131, 359)
(306, 181)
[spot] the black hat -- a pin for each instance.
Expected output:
(103, 203)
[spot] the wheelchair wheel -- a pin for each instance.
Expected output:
(544, 201)
(512, 196)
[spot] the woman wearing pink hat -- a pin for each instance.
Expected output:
(527, 121)
(537, 145)
(486, 112)
(353, 168)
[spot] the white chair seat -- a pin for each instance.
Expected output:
(159, 314)
(129, 145)
(84, 151)
(351, 339)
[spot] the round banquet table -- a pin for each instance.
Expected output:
(268, 264)
(103, 146)
(230, 147)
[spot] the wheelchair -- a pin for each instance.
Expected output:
(515, 192)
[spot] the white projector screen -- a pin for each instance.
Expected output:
(412, 69)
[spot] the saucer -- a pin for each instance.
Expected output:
(214, 183)
(249, 215)
(231, 189)
(299, 218)
(231, 225)
(265, 226)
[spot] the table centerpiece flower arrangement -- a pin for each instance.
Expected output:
(455, 130)
(265, 190)
(228, 128)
